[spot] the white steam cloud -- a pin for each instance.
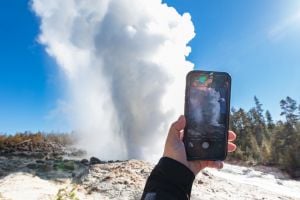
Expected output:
(124, 63)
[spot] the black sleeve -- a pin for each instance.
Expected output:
(169, 180)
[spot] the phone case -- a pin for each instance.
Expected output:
(202, 140)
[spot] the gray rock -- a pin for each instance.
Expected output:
(85, 162)
(94, 160)
(40, 161)
(32, 166)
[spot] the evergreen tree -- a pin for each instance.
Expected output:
(289, 110)
(246, 141)
(259, 110)
(290, 135)
(270, 123)
(253, 135)
(257, 127)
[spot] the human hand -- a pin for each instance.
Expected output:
(174, 148)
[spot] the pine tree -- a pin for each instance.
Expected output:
(290, 136)
(246, 141)
(259, 110)
(261, 140)
(270, 123)
(289, 110)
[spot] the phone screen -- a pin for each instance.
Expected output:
(207, 113)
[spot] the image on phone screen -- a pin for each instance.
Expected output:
(207, 113)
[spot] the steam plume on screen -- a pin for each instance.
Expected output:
(124, 64)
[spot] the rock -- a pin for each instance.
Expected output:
(2, 173)
(46, 167)
(205, 173)
(94, 160)
(106, 178)
(279, 182)
(40, 161)
(32, 166)
(79, 173)
(295, 173)
(84, 162)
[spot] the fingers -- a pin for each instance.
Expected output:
(231, 136)
(199, 165)
(215, 164)
(231, 147)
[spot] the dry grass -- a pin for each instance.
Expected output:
(36, 138)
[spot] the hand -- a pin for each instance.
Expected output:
(174, 148)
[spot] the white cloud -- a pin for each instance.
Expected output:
(124, 62)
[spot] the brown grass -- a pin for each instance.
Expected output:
(36, 138)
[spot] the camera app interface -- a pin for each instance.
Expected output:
(207, 109)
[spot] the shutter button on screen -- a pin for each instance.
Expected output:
(205, 145)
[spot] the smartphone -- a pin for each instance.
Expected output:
(207, 106)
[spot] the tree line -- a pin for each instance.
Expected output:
(260, 140)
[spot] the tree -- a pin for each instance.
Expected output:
(290, 136)
(254, 129)
(259, 110)
(270, 123)
(289, 110)
(246, 141)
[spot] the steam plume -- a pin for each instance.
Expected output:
(124, 63)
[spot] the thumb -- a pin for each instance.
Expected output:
(177, 126)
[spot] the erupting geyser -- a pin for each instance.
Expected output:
(124, 64)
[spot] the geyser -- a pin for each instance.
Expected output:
(124, 64)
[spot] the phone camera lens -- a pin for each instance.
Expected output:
(205, 145)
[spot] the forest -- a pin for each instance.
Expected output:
(261, 140)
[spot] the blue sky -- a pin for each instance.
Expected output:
(27, 76)
(257, 42)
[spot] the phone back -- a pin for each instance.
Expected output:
(207, 108)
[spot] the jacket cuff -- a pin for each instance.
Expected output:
(177, 173)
